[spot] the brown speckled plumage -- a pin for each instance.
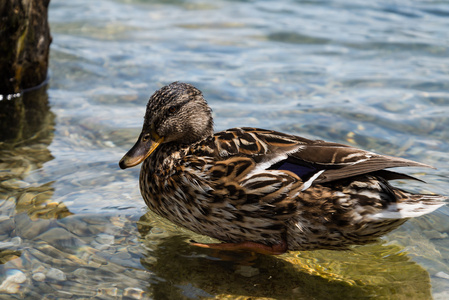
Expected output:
(261, 186)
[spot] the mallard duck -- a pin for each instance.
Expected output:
(261, 190)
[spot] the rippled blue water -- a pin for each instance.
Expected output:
(374, 74)
(320, 69)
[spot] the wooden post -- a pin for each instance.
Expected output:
(24, 44)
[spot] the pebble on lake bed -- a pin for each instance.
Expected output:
(105, 239)
(112, 292)
(39, 276)
(11, 284)
(56, 274)
(247, 271)
(133, 293)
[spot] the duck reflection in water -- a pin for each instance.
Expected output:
(180, 270)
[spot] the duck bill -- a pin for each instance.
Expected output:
(139, 152)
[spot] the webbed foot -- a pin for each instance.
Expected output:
(247, 246)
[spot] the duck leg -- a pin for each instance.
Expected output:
(247, 246)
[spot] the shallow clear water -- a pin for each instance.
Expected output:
(371, 74)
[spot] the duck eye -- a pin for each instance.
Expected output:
(146, 137)
(172, 109)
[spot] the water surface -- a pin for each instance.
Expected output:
(371, 74)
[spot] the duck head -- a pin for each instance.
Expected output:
(177, 113)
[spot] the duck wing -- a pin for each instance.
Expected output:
(312, 160)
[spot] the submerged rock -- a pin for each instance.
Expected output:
(61, 239)
(133, 293)
(39, 276)
(12, 282)
(56, 274)
(29, 229)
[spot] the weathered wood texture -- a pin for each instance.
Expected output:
(24, 44)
